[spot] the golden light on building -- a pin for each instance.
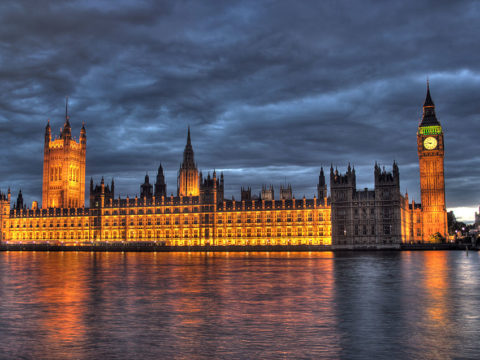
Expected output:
(64, 168)
(432, 179)
(188, 180)
(200, 215)
(177, 221)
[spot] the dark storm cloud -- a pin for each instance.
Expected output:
(272, 90)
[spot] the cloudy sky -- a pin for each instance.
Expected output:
(272, 90)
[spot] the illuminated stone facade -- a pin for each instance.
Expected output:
(432, 180)
(200, 214)
(203, 219)
(175, 221)
(64, 168)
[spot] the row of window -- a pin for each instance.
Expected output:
(192, 219)
(258, 217)
(38, 224)
(170, 234)
(364, 230)
(194, 242)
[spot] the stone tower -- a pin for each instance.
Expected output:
(342, 191)
(4, 215)
(322, 186)
(160, 185)
(101, 194)
(211, 188)
(146, 189)
(188, 182)
(267, 193)
(430, 148)
(64, 168)
(286, 192)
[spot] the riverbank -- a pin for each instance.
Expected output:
(141, 247)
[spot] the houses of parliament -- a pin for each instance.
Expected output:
(200, 215)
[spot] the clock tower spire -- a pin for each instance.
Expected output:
(431, 154)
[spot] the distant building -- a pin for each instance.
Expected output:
(286, 192)
(267, 193)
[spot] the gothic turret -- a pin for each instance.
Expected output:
(48, 133)
(19, 204)
(387, 178)
(211, 189)
(286, 192)
(101, 194)
(83, 135)
(246, 194)
(267, 193)
(160, 185)
(146, 189)
(322, 186)
(349, 179)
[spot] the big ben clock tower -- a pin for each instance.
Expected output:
(432, 181)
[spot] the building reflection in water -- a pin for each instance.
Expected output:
(62, 293)
(434, 305)
(225, 304)
(52, 290)
(239, 305)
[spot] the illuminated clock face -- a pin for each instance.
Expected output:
(430, 143)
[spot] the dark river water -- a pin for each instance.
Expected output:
(362, 305)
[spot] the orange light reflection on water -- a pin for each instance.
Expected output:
(436, 325)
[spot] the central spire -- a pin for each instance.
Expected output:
(188, 155)
(188, 180)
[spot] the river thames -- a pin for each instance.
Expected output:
(350, 305)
